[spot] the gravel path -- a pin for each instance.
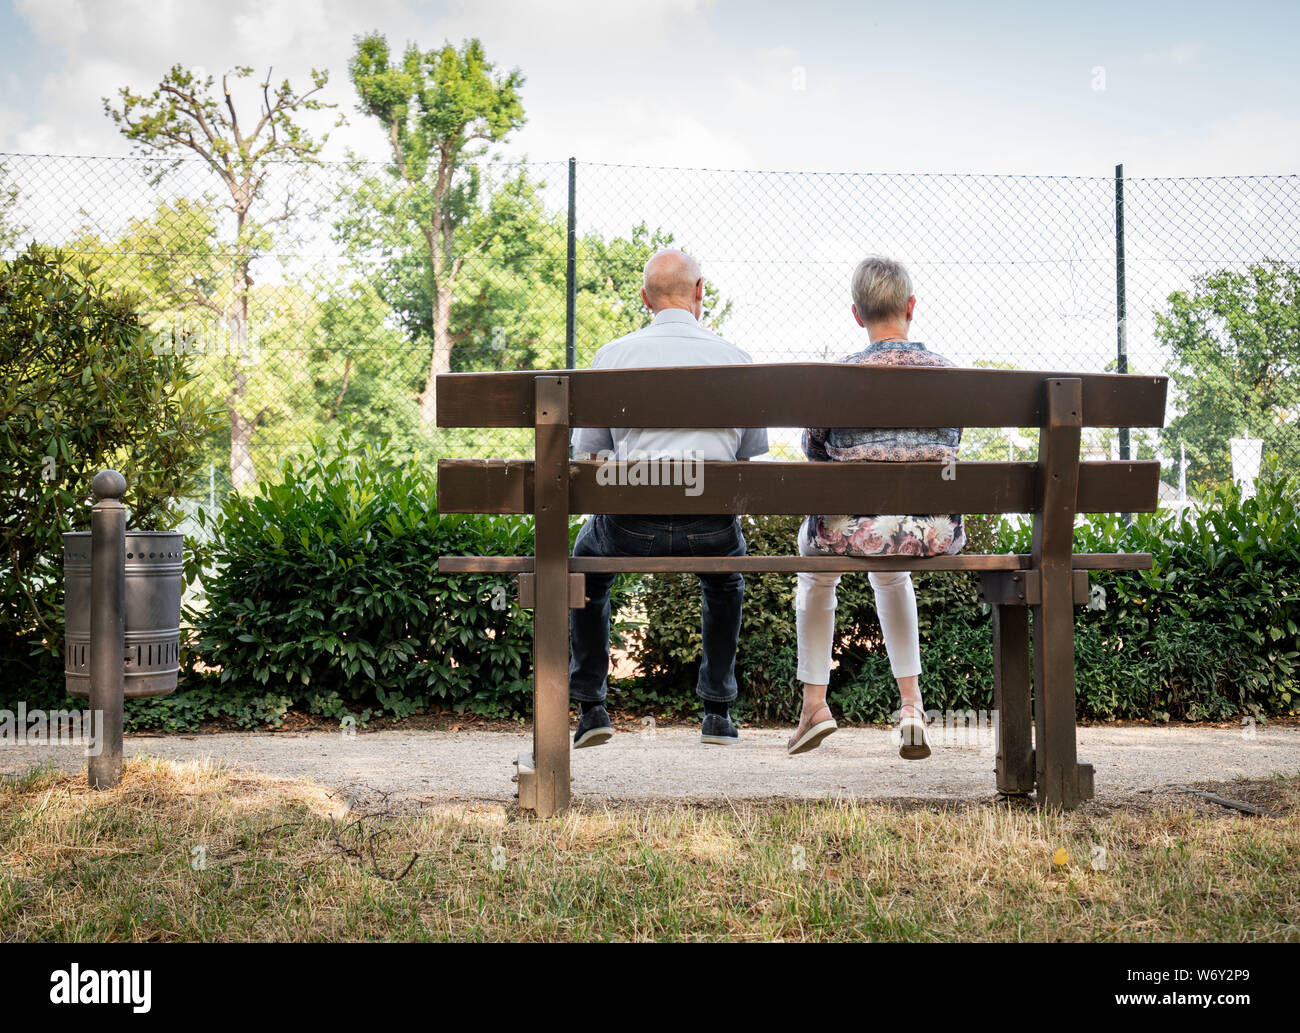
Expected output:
(420, 768)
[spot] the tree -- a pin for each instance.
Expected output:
(439, 109)
(182, 115)
(85, 386)
(1235, 339)
(325, 349)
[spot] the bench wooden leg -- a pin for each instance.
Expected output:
(1011, 700)
(549, 791)
(1055, 753)
(1055, 761)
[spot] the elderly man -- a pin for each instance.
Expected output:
(674, 291)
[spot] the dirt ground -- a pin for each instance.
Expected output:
(1137, 766)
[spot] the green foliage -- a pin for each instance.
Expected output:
(185, 113)
(185, 116)
(1214, 629)
(416, 225)
(1235, 340)
(83, 385)
(439, 104)
(326, 591)
(466, 254)
(326, 597)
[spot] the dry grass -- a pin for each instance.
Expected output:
(287, 860)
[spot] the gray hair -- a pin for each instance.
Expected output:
(881, 288)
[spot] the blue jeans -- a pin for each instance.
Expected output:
(604, 535)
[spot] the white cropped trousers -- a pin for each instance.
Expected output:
(814, 605)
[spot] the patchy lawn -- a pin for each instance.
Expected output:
(191, 852)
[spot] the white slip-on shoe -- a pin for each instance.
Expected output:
(914, 743)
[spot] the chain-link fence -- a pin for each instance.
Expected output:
(342, 292)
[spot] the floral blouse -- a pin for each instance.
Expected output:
(919, 535)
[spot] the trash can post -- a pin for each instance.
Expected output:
(107, 625)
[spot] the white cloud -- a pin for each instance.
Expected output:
(105, 46)
(559, 45)
(1177, 54)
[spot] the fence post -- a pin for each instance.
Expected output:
(1121, 309)
(107, 625)
(571, 275)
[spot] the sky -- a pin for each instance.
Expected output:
(1167, 88)
(1015, 270)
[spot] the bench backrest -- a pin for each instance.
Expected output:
(808, 394)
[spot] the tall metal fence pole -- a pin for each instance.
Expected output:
(571, 275)
(1121, 300)
(1121, 308)
(107, 625)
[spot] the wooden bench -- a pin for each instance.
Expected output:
(1035, 709)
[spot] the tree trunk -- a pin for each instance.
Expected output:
(440, 359)
(242, 472)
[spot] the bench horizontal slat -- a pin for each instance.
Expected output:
(785, 564)
(805, 394)
(506, 486)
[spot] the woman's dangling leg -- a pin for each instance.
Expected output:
(814, 606)
(896, 608)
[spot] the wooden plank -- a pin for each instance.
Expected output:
(786, 564)
(1011, 700)
(792, 488)
(485, 486)
(551, 597)
(803, 394)
(506, 486)
(1055, 750)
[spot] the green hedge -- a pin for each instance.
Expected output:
(325, 597)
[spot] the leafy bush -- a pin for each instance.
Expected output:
(326, 591)
(326, 597)
(1212, 630)
(83, 385)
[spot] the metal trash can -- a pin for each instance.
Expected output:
(154, 582)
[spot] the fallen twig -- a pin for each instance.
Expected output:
(1235, 805)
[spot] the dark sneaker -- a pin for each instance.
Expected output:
(718, 730)
(593, 728)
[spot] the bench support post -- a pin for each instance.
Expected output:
(1011, 700)
(549, 774)
(1055, 753)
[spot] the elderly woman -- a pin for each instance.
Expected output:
(883, 303)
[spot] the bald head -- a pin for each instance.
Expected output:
(673, 280)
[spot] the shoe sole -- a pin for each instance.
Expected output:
(914, 746)
(812, 738)
(719, 740)
(593, 737)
